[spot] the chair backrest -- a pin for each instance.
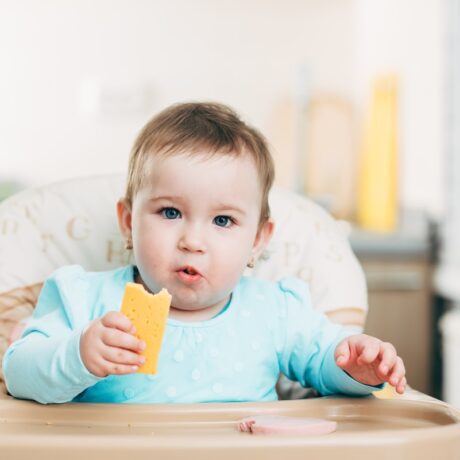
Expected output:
(74, 222)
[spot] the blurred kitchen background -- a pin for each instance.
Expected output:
(360, 100)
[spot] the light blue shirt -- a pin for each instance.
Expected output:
(267, 328)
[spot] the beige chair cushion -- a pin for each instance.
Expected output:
(74, 222)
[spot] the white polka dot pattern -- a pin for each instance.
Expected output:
(179, 356)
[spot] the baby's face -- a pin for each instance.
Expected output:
(195, 227)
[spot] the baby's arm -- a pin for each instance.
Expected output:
(308, 341)
(57, 367)
(107, 346)
(46, 363)
(371, 361)
(46, 369)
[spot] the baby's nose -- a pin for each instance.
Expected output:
(192, 240)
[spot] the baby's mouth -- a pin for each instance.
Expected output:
(189, 274)
(190, 271)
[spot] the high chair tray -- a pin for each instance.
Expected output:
(369, 428)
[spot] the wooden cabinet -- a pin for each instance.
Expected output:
(398, 268)
(400, 312)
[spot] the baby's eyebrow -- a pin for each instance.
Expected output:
(166, 198)
(230, 207)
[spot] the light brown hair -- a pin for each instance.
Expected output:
(193, 127)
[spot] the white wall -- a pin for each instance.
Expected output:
(79, 77)
(58, 56)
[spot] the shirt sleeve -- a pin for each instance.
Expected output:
(308, 342)
(45, 364)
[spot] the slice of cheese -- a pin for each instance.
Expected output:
(149, 314)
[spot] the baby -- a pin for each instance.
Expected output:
(195, 214)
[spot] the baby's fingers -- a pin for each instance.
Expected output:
(397, 373)
(102, 367)
(369, 350)
(116, 338)
(342, 353)
(116, 355)
(110, 368)
(117, 320)
(388, 358)
(401, 387)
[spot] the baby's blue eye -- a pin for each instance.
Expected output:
(170, 213)
(223, 221)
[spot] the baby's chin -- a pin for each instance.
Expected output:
(186, 307)
(189, 306)
(196, 304)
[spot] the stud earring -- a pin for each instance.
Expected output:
(128, 244)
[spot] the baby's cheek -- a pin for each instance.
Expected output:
(230, 271)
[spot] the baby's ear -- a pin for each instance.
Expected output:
(124, 217)
(263, 237)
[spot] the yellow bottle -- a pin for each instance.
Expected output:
(377, 205)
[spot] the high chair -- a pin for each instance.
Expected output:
(74, 222)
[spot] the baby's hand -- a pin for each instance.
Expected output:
(108, 346)
(371, 361)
